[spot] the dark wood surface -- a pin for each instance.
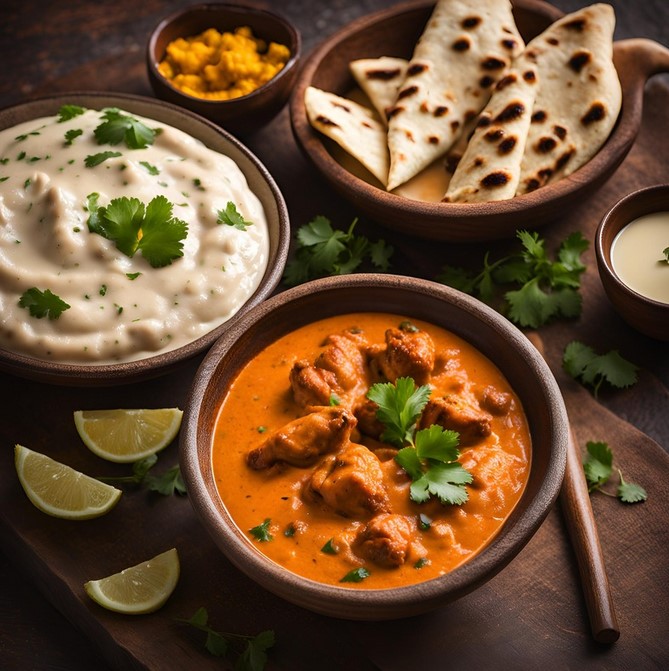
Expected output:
(531, 615)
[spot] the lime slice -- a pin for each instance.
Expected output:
(127, 435)
(139, 589)
(59, 490)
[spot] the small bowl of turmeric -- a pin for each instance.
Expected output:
(232, 64)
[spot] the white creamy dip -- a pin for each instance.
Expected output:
(45, 242)
(638, 259)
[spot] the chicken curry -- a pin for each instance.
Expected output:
(303, 463)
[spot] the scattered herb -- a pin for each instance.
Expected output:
(356, 575)
(72, 134)
(290, 531)
(231, 217)
(103, 289)
(132, 226)
(424, 522)
(584, 364)
(169, 483)
(67, 112)
(329, 548)
(262, 429)
(151, 169)
(261, 532)
(25, 136)
(139, 471)
(252, 658)
(118, 127)
(95, 159)
(132, 276)
(545, 289)
(423, 561)
(322, 250)
(665, 251)
(598, 468)
(430, 456)
(197, 183)
(334, 399)
(43, 303)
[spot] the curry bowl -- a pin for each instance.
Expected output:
(183, 132)
(257, 333)
(240, 115)
(394, 32)
(633, 265)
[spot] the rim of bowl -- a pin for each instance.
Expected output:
(591, 174)
(31, 367)
(291, 64)
(358, 603)
(646, 205)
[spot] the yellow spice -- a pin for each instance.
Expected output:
(221, 66)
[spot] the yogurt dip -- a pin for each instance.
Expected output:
(121, 308)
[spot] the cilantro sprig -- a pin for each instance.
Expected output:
(231, 217)
(598, 468)
(132, 227)
(590, 368)
(429, 456)
(43, 303)
(322, 250)
(67, 112)
(169, 483)
(538, 289)
(252, 658)
(118, 127)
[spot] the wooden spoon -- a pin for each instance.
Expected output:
(580, 521)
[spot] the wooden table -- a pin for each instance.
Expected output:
(531, 615)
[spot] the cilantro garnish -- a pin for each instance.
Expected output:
(665, 251)
(545, 289)
(132, 276)
(71, 134)
(67, 112)
(171, 482)
(261, 532)
(231, 217)
(151, 169)
(252, 658)
(329, 548)
(131, 227)
(598, 468)
(95, 159)
(356, 575)
(429, 456)
(118, 127)
(584, 364)
(43, 303)
(322, 250)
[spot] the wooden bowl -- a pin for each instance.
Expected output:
(239, 116)
(468, 318)
(644, 314)
(394, 32)
(260, 182)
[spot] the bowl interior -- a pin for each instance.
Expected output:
(394, 32)
(260, 182)
(471, 320)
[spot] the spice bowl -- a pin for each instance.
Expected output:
(242, 115)
(638, 298)
(202, 440)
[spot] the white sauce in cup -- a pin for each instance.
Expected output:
(45, 242)
(637, 256)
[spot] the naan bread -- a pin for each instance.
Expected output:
(578, 98)
(380, 79)
(352, 126)
(490, 167)
(465, 48)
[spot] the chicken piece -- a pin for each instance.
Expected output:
(351, 483)
(368, 424)
(311, 385)
(407, 354)
(302, 441)
(457, 414)
(386, 539)
(496, 402)
(344, 358)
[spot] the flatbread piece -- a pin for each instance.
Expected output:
(380, 79)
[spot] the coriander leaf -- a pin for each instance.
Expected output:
(151, 169)
(317, 231)
(458, 278)
(162, 234)
(139, 470)
(216, 644)
(231, 217)
(437, 443)
(71, 134)
(665, 251)
(400, 405)
(118, 127)
(329, 548)
(67, 112)
(380, 253)
(532, 306)
(356, 575)
(408, 459)
(95, 159)
(581, 362)
(119, 222)
(445, 481)
(43, 303)
(169, 483)
(254, 658)
(598, 464)
(261, 532)
(628, 492)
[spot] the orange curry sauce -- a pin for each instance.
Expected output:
(368, 519)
